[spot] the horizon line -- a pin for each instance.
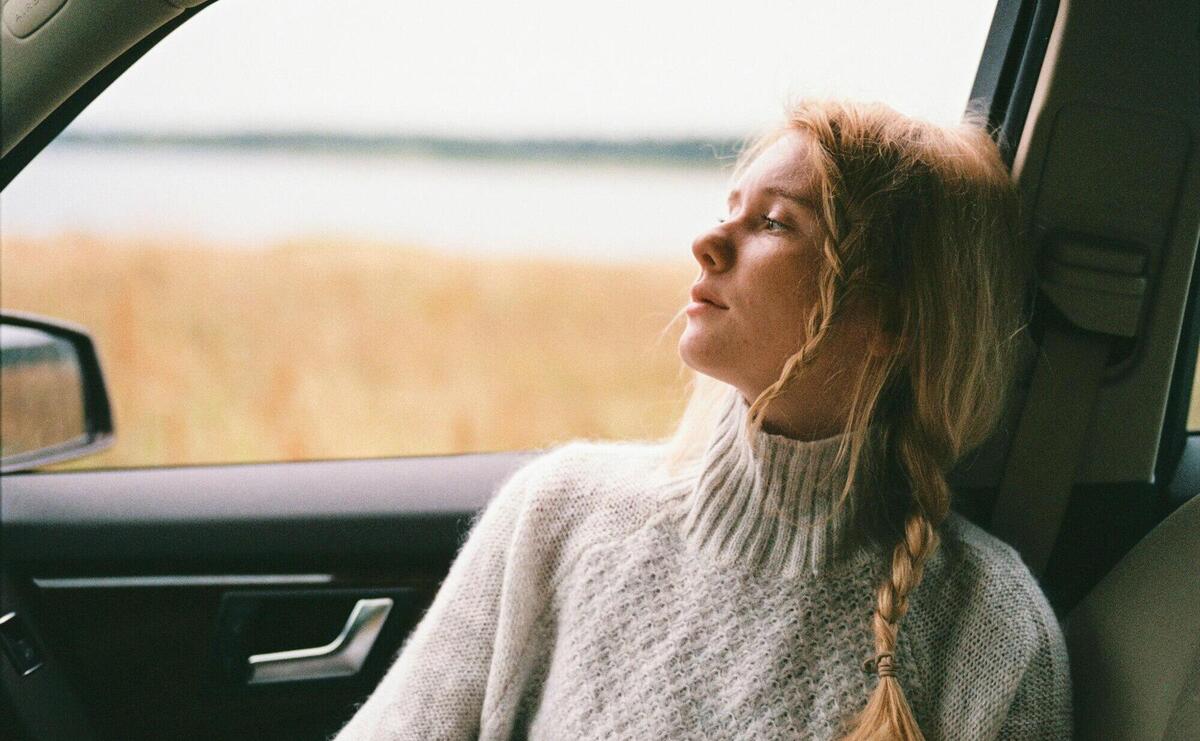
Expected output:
(694, 149)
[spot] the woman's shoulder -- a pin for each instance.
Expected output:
(977, 571)
(978, 586)
(978, 550)
(585, 492)
(979, 612)
(987, 563)
(562, 473)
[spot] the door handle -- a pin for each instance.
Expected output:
(341, 657)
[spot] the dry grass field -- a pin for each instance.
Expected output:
(313, 350)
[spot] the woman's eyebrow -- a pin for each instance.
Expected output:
(791, 195)
(799, 198)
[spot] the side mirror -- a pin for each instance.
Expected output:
(53, 404)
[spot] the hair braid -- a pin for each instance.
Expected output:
(888, 714)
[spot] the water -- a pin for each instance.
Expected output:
(593, 210)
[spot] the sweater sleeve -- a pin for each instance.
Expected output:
(1041, 707)
(447, 674)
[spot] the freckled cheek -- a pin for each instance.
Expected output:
(784, 298)
(776, 316)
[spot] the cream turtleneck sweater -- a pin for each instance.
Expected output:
(598, 597)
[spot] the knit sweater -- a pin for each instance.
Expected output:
(600, 597)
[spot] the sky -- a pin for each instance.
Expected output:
(557, 68)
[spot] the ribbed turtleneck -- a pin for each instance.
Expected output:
(770, 506)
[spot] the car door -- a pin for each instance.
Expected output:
(220, 601)
(151, 616)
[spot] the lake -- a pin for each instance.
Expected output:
(246, 198)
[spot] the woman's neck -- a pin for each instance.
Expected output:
(771, 502)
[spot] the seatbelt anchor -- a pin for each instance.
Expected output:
(1098, 286)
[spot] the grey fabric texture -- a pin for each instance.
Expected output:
(600, 597)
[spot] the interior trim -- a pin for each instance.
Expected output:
(29, 137)
(181, 580)
(1010, 66)
(305, 517)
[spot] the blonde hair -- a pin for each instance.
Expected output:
(921, 221)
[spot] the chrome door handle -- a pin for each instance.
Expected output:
(341, 657)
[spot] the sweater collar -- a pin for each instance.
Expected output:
(771, 507)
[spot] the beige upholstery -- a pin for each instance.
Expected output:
(1135, 640)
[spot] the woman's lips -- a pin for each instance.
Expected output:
(699, 307)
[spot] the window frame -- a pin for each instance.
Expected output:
(1178, 447)
(52, 125)
(1009, 67)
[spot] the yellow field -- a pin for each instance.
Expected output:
(323, 350)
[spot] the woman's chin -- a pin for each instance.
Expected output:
(695, 350)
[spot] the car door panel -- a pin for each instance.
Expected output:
(150, 588)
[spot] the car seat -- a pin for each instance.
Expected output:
(1135, 640)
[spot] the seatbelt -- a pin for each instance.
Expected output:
(1098, 289)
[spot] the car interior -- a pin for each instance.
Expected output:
(265, 600)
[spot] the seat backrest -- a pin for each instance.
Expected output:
(1135, 640)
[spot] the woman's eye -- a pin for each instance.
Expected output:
(773, 225)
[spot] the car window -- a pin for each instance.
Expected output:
(1193, 423)
(401, 230)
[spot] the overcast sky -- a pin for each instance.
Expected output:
(543, 67)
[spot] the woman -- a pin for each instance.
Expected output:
(786, 566)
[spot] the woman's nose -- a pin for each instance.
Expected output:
(712, 250)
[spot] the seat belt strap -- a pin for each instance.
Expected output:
(1097, 287)
(1042, 468)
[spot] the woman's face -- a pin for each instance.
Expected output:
(757, 285)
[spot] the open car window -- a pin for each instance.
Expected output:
(407, 231)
